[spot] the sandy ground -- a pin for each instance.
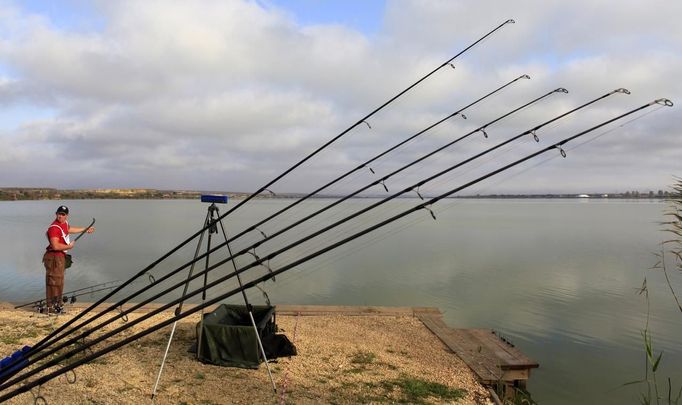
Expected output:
(341, 360)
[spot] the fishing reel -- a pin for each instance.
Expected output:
(69, 300)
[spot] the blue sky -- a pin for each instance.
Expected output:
(146, 94)
(364, 16)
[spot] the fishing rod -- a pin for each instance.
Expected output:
(40, 306)
(36, 302)
(85, 230)
(448, 62)
(270, 256)
(267, 276)
(359, 167)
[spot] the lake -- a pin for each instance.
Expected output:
(558, 278)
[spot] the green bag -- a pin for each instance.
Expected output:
(228, 337)
(68, 261)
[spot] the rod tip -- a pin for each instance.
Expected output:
(524, 77)
(561, 90)
(622, 90)
(510, 21)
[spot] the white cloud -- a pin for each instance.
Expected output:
(226, 95)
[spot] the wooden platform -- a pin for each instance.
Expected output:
(492, 359)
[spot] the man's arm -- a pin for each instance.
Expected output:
(75, 229)
(55, 244)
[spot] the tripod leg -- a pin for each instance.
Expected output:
(248, 307)
(163, 362)
(262, 350)
(179, 308)
(203, 294)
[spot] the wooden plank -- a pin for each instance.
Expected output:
(461, 344)
(484, 352)
(512, 357)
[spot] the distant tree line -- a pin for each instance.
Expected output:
(14, 194)
(660, 194)
(23, 193)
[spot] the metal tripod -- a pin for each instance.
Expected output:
(210, 224)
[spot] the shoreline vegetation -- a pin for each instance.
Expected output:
(27, 193)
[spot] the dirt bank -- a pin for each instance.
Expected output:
(341, 359)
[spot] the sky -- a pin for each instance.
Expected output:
(226, 95)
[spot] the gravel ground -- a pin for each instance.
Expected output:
(341, 360)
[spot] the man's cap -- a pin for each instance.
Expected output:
(62, 210)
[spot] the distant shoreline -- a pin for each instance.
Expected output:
(31, 194)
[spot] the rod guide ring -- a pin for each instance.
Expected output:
(665, 102)
(71, 380)
(561, 150)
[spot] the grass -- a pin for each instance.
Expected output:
(9, 340)
(200, 376)
(364, 358)
(669, 258)
(361, 360)
(416, 390)
(17, 339)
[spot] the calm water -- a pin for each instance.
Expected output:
(558, 278)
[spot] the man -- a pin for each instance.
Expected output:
(55, 257)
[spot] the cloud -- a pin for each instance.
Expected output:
(227, 95)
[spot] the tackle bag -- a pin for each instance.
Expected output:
(227, 338)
